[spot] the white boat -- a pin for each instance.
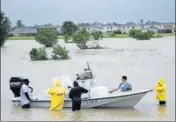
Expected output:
(121, 100)
(97, 97)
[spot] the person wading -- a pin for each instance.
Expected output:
(57, 96)
(25, 95)
(161, 92)
(75, 95)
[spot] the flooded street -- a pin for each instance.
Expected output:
(144, 62)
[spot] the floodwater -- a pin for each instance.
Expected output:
(144, 62)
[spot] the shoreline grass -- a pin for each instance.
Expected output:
(104, 36)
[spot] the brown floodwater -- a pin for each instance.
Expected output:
(144, 62)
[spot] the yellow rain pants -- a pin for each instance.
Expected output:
(57, 96)
(161, 90)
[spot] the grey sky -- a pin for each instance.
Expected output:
(56, 11)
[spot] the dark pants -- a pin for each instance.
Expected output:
(26, 106)
(76, 106)
(162, 102)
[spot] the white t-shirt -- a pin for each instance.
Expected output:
(24, 99)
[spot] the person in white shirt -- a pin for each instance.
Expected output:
(25, 95)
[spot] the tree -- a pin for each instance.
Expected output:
(47, 37)
(38, 54)
(60, 53)
(4, 29)
(68, 28)
(81, 36)
(19, 23)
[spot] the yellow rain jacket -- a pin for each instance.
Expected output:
(161, 90)
(57, 96)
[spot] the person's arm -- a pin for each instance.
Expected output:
(27, 95)
(116, 88)
(70, 94)
(84, 90)
(160, 88)
(50, 91)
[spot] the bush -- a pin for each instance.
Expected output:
(138, 34)
(66, 38)
(96, 35)
(47, 37)
(133, 33)
(117, 32)
(60, 53)
(151, 33)
(81, 36)
(38, 54)
(112, 35)
(143, 36)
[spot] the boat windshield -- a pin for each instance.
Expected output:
(86, 75)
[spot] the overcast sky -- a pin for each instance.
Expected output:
(33, 12)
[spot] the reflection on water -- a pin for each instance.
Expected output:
(57, 115)
(142, 61)
(162, 111)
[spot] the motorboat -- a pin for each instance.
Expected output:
(97, 97)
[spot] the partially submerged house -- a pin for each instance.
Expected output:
(31, 31)
(24, 31)
(152, 28)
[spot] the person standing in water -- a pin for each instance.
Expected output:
(124, 86)
(161, 92)
(25, 95)
(57, 96)
(75, 95)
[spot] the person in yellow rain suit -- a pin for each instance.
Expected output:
(57, 96)
(161, 92)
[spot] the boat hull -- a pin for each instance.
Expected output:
(123, 100)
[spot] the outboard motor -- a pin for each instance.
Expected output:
(16, 83)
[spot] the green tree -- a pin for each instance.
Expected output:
(81, 36)
(68, 28)
(47, 37)
(38, 54)
(60, 53)
(19, 23)
(4, 29)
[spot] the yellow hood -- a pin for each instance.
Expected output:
(58, 83)
(161, 82)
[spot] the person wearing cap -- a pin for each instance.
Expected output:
(57, 94)
(75, 95)
(161, 91)
(25, 94)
